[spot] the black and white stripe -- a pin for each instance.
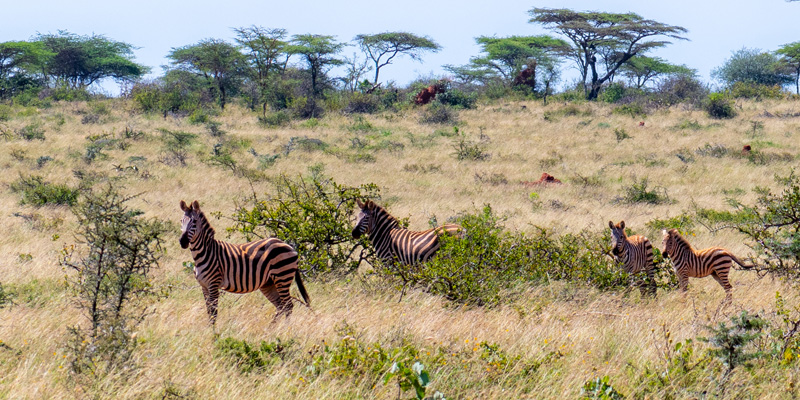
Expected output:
(634, 253)
(394, 243)
(269, 265)
(688, 262)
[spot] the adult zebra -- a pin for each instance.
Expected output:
(394, 243)
(688, 262)
(268, 264)
(635, 253)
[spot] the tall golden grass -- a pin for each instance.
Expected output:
(596, 333)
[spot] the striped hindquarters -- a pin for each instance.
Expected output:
(412, 247)
(702, 263)
(251, 266)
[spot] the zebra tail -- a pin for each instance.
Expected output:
(738, 261)
(302, 288)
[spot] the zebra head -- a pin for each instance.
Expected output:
(189, 224)
(362, 226)
(618, 237)
(669, 241)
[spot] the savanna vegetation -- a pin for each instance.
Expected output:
(97, 300)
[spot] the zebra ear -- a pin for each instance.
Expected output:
(360, 204)
(664, 231)
(195, 206)
(621, 224)
(184, 208)
(611, 224)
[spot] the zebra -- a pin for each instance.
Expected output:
(394, 243)
(269, 265)
(635, 253)
(688, 262)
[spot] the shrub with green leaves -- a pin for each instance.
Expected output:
(438, 113)
(312, 214)
(254, 358)
(470, 150)
(37, 192)
(488, 263)
(176, 146)
(600, 388)
(772, 225)
(732, 344)
(719, 106)
(639, 192)
(33, 131)
(109, 280)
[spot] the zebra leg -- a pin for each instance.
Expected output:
(722, 278)
(271, 293)
(683, 282)
(211, 294)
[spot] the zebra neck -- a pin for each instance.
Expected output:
(683, 253)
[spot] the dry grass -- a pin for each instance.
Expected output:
(597, 333)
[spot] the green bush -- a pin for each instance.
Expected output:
(312, 214)
(719, 106)
(469, 150)
(251, 358)
(276, 119)
(438, 113)
(33, 131)
(751, 90)
(358, 102)
(35, 191)
(489, 264)
(731, 343)
(456, 98)
(639, 192)
(772, 225)
(612, 93)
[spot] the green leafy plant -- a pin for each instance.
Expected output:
(312, 214)
(253, 358)
(600, 388)
(466, 149)
(639, 192)
(731, 343)
(416, 378)
(719, 106)
(37, 192)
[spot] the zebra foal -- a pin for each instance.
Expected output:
(635, 254)
(688, 262)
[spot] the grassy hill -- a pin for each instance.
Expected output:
(545, 343)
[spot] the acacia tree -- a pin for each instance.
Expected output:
(80, 61)
(220, 63)
(790, 56)
(641, 69)
(603, 42)
(318, 52)
(390, 44)
(505, 57)
(266, 56)
(752, 66)
(21, 65)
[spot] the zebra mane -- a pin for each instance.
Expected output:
(203, 222)
(380, 213)
(680, 239)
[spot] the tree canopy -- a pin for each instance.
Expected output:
(790, 56)
(390, 44)
(80, 61)
(318, 52)
(603, 42)
(752, 66)
(266, 56)
(642, 69)
(21, 64)
(216, 60)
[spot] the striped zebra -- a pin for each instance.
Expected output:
(635, 253)
(269, 265)
(394, 243)
(688, 262)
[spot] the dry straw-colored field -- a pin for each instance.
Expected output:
(586, 333)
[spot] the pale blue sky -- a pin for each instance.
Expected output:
(716, 28)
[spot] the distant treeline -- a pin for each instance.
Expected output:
(270, 71)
